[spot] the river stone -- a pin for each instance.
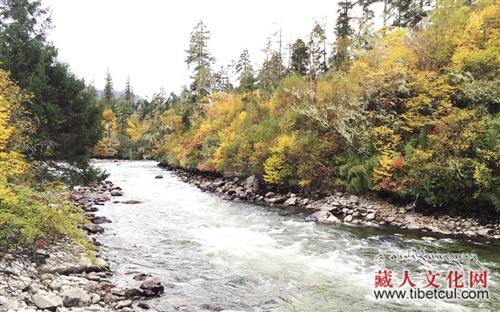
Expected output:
(370, 216)
(116, 192)
(93, 228)
(143, 306)
(292, 201)
(321, 216)
(353, 199)
(11, 305)
(95, 298)
(123, 304)
(252, 183)
(131, 202)
(141, 276)
(270, 194)
(413, 226)
(152, 286)
(159, 176)
(484, 231)
(75, 297)
(348, 218)
(45, 300)
(133, 292)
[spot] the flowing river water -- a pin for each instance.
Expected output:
(213, 254)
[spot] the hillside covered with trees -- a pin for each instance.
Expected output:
(409, 110)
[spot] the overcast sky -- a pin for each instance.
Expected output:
(147, 39)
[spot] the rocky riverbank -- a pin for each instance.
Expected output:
(65, 277)
(344, 208)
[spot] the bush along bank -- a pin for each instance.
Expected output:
(340, 208)
(66, 276)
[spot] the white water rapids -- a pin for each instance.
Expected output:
(217, 254)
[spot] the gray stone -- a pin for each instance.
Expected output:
(152, 286)
(95, 298)
(46, 300)
(143, 305)
(116, 192)
(270, 194)
(133, 292)
(484, 232)
(252, 183)
(353, 199)
(348, 218)
(123, 304)
(370, 216)
(292, 201)
(93, 228)
(322, 216)
(131, 202)
(75, 297)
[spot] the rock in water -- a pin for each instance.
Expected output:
(75, 297)
(49, 301)
(159, 176)
(116, 192)
(152, 286)
(322, 216)
(93, 228)
(131, 202)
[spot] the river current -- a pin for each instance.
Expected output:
(213, 254)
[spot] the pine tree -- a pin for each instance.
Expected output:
(365, 25)
(317, 53)
(244, 70)
(200, 60)
(128, 93)
(270, 73)
(407, 13)
(300, 57)
(108, 93)
(65, 113)
(222, 83)
(343, 33)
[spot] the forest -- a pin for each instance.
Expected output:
(408, 111)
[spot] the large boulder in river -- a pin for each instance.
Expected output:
(152, 286)
(46, 300)
(322, 216)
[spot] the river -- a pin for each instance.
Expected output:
(217, 254)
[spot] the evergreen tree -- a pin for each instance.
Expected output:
(317, 53)
(222, 83)
(270, 73)
(300, 57)
(128, 93)
(65, 113)
(245, 73)
(109, 93)
(365, 25)
(408, 13)
(343, 32)
(200, 60)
